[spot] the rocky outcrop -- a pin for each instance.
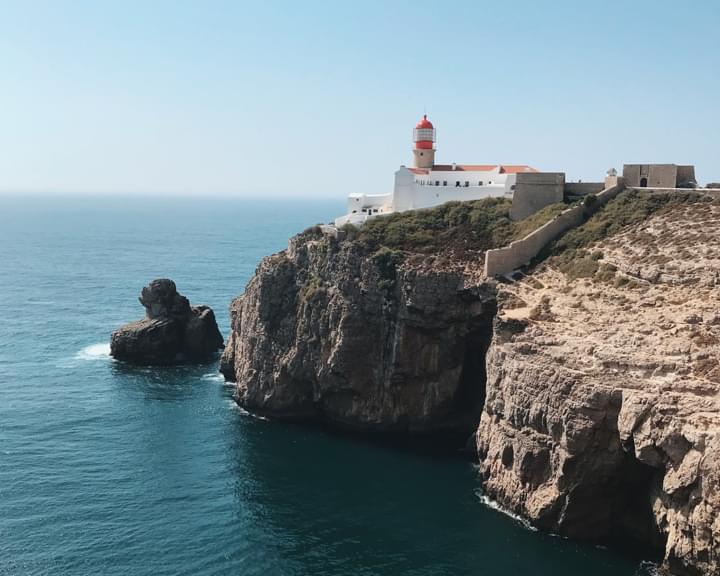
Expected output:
(602, 412)
(373, 341)
(596, 405)
(172, 330)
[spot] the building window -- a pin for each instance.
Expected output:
(375, 210)
(437, 182)
(489, 182)
(457, 183)
(480, 183)
(354, 211)
(444, 182)
(467, 183)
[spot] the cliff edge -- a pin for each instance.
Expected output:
(602, 414)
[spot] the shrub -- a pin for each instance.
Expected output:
(351, 231)
(312, 287)
(476, 225)
(458, 227)
(387, 260)
(590, 201)
(313, 231)
(577, 264)
(523, 227)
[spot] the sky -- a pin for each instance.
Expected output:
(318, 99)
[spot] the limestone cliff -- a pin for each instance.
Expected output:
(596, 405)
(602, 414)
(329, 331)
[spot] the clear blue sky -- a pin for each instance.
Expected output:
(319, 98)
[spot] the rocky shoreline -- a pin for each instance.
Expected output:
(590, 386)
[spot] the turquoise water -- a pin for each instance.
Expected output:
(106, 469)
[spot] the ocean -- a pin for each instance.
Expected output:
(109, 469)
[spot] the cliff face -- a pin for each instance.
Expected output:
(602, 415)
(326, 331)
(596, 405)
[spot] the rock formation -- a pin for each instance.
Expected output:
(602, 414)
(323, 331)
(172, 330)
(596, 405)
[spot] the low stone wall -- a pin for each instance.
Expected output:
(332, 230)
(521, 252)
(583, 188)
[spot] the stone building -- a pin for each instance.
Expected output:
(659, 176)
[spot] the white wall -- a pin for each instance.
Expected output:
(409, 194)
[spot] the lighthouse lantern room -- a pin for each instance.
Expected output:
(424, 139)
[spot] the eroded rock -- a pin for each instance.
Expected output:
(610, 428)
(172, 330)
(324, 332)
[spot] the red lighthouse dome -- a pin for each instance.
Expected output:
(424, 134)
(424, 123)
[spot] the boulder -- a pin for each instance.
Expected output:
(172, 330)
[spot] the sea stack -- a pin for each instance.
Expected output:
(172, 331)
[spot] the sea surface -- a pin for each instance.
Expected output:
(108, 469)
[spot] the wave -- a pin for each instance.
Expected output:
(94, 352)
(490, 503)
(235, 406)
(645, 568)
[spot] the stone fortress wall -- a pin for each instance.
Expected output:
(583, 188)
(658, 175)
(534, 196)
(521, 252)
(534, 191)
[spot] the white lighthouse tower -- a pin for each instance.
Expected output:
(424, 139)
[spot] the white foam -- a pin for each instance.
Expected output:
(235, 406)
(647, 568)
(495, 506)
(94, 352)
(214, 377)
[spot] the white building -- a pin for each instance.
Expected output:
(428, 184)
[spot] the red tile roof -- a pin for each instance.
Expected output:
(504, 168)
(514, 169)
(419, 170)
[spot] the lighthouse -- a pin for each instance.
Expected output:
(424, 144)
(427, 184)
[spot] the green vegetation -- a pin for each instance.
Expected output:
(629, 208)
(460, 227)
(523, 227)
(387, 260)
(312, 287)
(312, 231)
(478, 225)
